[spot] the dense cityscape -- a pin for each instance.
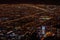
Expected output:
(29, 21)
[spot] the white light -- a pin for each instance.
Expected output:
(43, 29)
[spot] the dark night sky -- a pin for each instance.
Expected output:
(32, 1)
